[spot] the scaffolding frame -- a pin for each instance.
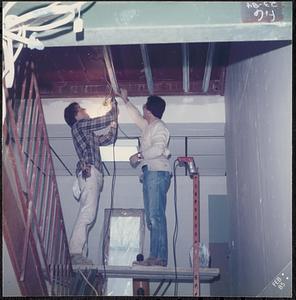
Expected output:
(162, 274)
(153, 273)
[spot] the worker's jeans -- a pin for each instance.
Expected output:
(155, 187)
(90, 193)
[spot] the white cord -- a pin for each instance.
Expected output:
(15, 28)
(89, 283)
(22, 32)
(3, 108)
(8, 56)
(54, 9)
(59, 23)
(7, 7)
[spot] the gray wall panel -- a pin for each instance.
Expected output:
(258, 154)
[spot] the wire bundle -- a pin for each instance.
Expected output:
(175, 235)
(112, 187)
(15, 29)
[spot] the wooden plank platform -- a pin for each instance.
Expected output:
(153, 273)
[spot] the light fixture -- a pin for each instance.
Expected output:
(123, 148)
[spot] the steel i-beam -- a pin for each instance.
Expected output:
(185, 67)
(208, 68)
(147, 68)
(110, 68)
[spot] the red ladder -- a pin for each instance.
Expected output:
(33, 222)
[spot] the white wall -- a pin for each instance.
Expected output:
(179, 109)
(128, 194)
(10, 286)
(258, 99)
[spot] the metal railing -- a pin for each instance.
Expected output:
(30, 193)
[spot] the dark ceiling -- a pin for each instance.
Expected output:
(169, 69)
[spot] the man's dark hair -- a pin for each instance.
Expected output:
(70, 113)
(156, 105)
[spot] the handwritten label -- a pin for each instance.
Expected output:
(261, 11)
(277, 282)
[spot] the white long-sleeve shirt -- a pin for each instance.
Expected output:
(153, 141)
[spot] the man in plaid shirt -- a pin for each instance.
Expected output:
(89, 169)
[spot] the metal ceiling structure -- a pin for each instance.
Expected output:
(165, 22)
(165, 48)
(163, 69)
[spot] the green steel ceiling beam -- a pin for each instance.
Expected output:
(129, 22)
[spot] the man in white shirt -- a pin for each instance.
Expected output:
(153, 159)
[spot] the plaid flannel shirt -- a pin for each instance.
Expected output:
(87, 143)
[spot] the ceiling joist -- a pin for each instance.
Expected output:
(110, 68)
(147, 68)
(178, 69)
(185, 67)
(208, 68)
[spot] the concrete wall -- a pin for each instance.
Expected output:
(128, 194)
(10, 286)
(258, 102)
(179, 109)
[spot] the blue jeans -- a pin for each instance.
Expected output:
(155, 187)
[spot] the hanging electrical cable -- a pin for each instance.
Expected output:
(125, 135)
(106, 103)
(15, 29)
(109, 95)
(58, 157)
(175, 235)
(87, 281)
(109, 215)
